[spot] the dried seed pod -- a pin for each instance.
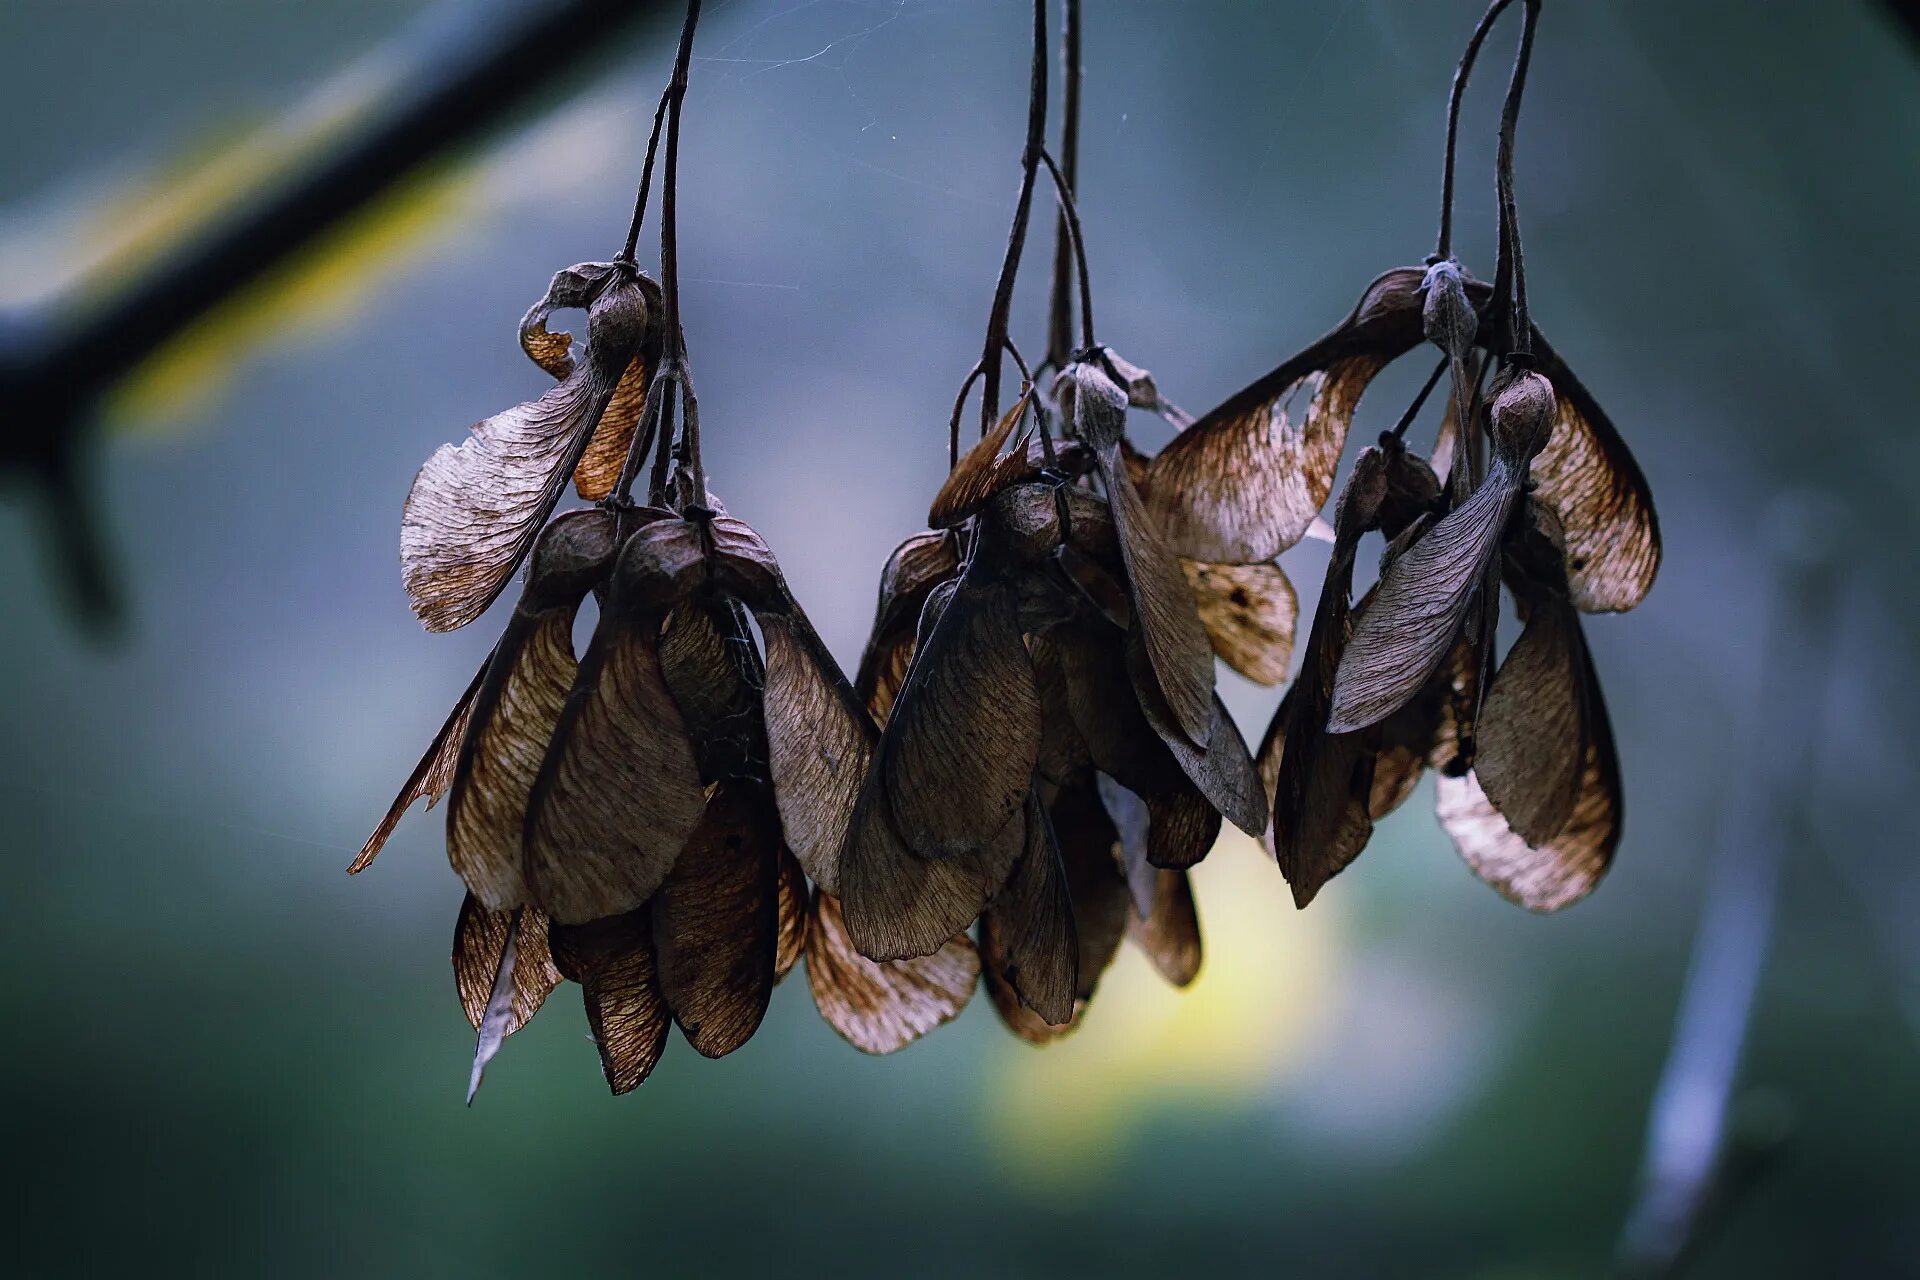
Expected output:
(599, 467)
(474, 510)
(1180, 655)
(1322, 781)
(1027, 935)
(1447, 318)
(1404, 634)
(716, 920)
(618, 791)
(517, 707)
(612, 960)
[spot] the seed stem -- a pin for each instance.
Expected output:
(1399, 431)
(1060, 311)
(1511, 268)
(1444, 247)
(1070, 218)
(646, 182)
(997, 319)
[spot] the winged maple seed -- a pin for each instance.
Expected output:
(1033, 755)
(1025, 763)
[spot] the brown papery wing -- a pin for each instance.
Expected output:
(1224, 770)
(819, 742)
(1249, 611)
(1027, 935)
(716, 920)
(959, 749)
(712, 670)
(598, 470)
(1531, 746)
(1163, 606)
(1013, 1011)
(1090, 854)
(883, 1006)
(899, 905)
(430, 778)
(475, 509)
(1321, 781)
(791, 939)
(512, 722)
(1403, 635)
(618, 791)
(1589, 477)
(1566, 868)
(976, 476)
(1407, 739)
(479, 937)
(916, 566)
(612, 960)
(1170, 933)
(1243, 483)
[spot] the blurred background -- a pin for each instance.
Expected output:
(226, 1057)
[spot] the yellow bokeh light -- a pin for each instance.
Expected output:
(1146, 1047)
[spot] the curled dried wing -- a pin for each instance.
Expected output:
(1560, 871)
(978, 474)
(791, 939)
(475, 509)
(1244, 482)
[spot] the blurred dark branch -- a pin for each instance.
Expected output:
(1907, 13)
(1697, 1165)
(466, 68)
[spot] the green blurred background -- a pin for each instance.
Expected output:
(225, 1057)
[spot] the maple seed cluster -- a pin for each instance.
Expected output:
(1032, 755)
